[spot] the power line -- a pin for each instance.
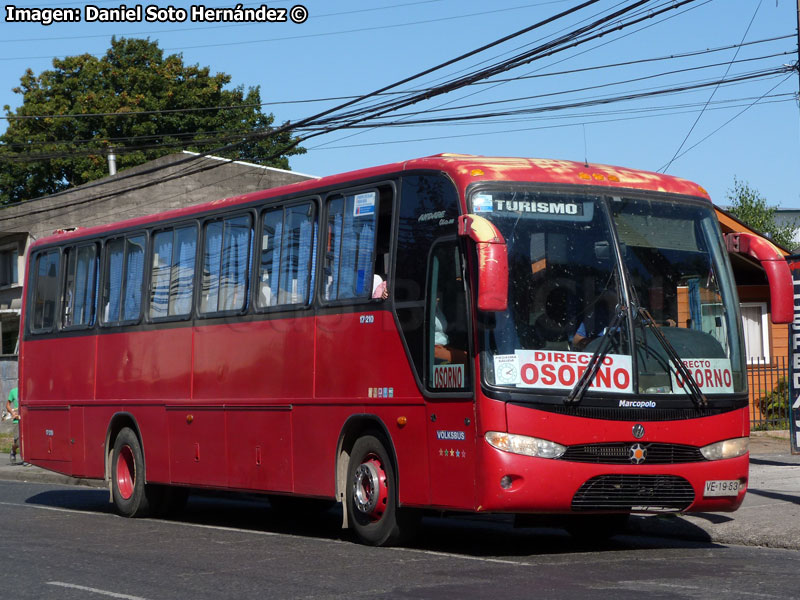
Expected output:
(714, 91)
(337, 123)
(309, 120)
(189, 138)
(736, 116)
(396, 93)
(654, 113)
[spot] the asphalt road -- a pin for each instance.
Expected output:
(65, 543)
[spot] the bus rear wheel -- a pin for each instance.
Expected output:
(127, 475)
(371, 495)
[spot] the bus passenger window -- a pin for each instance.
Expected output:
(350, 246)
(288, 242)
(134, 272)
(226, 264)
(80, 289)
(124, 273)
(46, 291)
(172, 278)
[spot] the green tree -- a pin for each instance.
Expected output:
(146, 105)
(750, 207)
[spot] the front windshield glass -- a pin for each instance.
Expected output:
(566, 295)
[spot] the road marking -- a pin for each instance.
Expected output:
(83, 588)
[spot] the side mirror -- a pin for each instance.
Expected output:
(492, 261)
(781, 287)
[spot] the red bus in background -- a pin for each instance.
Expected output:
(456, 333)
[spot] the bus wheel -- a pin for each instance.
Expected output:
(127, 475)
(371, 494)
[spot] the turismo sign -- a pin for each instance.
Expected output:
(562, 370)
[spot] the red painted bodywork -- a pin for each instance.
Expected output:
(262, 405)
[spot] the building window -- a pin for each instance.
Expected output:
(756, 331)
(10, 331)
(9, 260)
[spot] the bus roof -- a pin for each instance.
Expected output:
(463, 168)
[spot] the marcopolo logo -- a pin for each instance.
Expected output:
(637, 404)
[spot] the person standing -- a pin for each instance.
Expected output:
(12, 407)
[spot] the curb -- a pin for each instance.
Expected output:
(33, 474)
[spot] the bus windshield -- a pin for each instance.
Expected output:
(569, 293)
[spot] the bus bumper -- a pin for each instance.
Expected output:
(523, 484)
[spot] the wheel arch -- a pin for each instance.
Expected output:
(354, 427)
(117, 423)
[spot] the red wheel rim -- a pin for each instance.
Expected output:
(371, 492)
(126, 472)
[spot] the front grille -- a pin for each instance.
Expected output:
(634, 492)
(620, 453)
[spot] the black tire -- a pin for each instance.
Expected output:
(595, 528)
(371, 495)
(127, 476)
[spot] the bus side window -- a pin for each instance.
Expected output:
(350, 246)
(124, 273)
(172, 276)
(80, 288)
(226, 264)
(447, 319)
(45, 291)
(288, 256)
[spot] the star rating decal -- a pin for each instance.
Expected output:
(451, 453)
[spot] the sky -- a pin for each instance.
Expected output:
(749, 129)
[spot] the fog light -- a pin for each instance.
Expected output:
(505, 482)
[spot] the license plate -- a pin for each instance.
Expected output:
(722, 487)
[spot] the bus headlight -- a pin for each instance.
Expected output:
(523, 444)
(726, 449)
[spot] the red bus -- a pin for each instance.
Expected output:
(451, 333)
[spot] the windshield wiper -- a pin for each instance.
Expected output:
(576, 394)
(698, 397)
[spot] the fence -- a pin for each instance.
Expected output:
(769, 393)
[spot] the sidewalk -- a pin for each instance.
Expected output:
(769, 516)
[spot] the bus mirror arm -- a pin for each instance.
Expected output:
(781, 287)
(492, 261)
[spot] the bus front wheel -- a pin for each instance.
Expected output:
(127, 475)
(372, 494)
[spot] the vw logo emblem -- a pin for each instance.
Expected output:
(638, 431)
(638, 454)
